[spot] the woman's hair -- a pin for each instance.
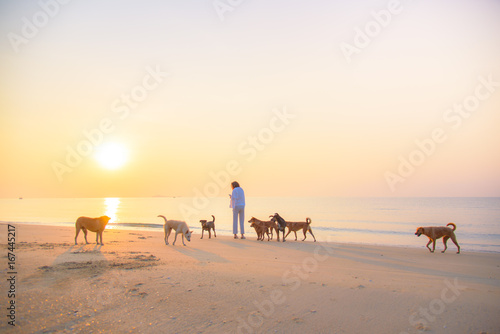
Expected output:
(235, 184)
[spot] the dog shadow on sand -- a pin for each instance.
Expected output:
(77, 262)
(200, 255)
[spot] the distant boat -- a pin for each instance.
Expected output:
(20, 198)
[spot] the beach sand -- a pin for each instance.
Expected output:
(135, 283)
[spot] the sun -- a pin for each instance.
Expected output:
(111, 155)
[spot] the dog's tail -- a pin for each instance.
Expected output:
(308, 221)
(213, 217)
(163, 218)
(454, 226)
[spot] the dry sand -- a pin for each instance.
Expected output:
(135, 283)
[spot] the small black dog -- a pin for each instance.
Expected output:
(207, 226)
(281, 225)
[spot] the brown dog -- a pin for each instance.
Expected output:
(260, 230)
(92, 224)
(436, 232)
(269, 224)
(297, 226)
(207, 226)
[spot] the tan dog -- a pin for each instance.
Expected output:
(207, 226)
(260, 230)
(92, 224)
(269, 224)
(179, 227)
(297, 226)
(436, 232)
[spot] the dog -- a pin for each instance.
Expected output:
(96, 225)
(280, 224)
(260, 230)
(207, 226)
(269, 224)
(297, 226)
(179, 227)
(436, 232)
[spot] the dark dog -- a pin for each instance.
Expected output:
(207, 226)
(436, 232)
(281, 224)
(297, 226)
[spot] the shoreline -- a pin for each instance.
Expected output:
(136, 283)
(251, 234)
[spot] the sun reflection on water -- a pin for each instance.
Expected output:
(112, 204)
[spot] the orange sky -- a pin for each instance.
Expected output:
(376, 98)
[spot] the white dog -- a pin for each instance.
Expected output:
(179, 227)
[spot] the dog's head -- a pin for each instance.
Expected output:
(104, 220)
(188, 235)
(252, 220)
(419, 232)
(277, 218)
(203, 222)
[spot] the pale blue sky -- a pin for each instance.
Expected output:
(353, 120)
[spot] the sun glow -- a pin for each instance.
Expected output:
(112, 155)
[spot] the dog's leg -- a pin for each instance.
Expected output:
(310, 231)
(85, 233)
(430, 250)
(304, 230)
(454, 239)
(167, 234)
(202, 231)
(288, 234)
(215, 235)
(76, 236)
(295, 232)
(183, 239)
(445, 240)
(173, 243)
(209, 234)
(97, 237)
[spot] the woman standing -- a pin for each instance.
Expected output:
(238, 206)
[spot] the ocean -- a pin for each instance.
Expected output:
(375, 221)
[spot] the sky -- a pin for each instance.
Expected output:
(291, 98)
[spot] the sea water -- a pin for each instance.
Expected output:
(382, 221)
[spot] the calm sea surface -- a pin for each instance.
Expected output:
(386, 221)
